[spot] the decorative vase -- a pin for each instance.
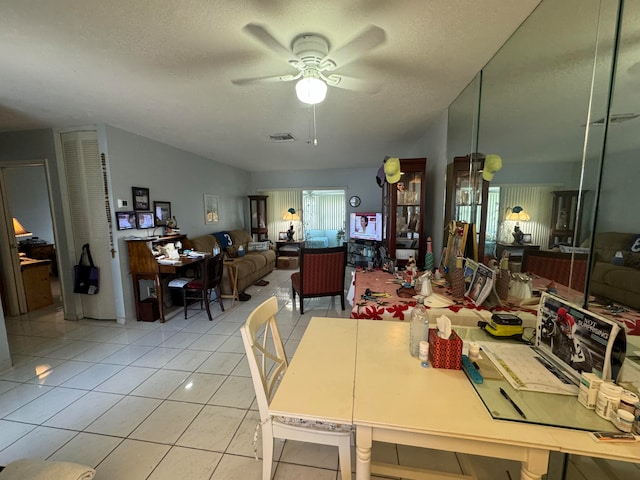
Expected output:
(428, 257)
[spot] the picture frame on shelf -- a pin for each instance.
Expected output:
(211, 214)
(282, 236)
(145, 220)
(126, 220)
(389, 265)
(162, 211)
(140, 198)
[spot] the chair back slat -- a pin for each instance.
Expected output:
(265, 352)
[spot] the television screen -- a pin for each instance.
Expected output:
(145, 220)
(126, 220)
(365, 226)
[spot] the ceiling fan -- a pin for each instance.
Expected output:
(310, 55)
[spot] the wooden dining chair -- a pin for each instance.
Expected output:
(268, 363)
(201, 288)
(321, 274)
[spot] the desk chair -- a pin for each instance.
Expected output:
(201, 288)
(268, 363)
(321, 274)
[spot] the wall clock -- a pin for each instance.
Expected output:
(354, 201)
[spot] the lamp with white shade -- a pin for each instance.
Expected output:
(19, 230)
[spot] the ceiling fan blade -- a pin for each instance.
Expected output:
(261, 34)
(367, 40)
(352, 83)
(271, 79)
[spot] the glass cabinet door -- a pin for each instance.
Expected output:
(408, 218)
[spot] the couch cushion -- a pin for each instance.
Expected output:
(623, 278)
(635, 244)
(224, 239)
(240, 237)
(258, 261)
(204, 243)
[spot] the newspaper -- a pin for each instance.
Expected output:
(481, 284)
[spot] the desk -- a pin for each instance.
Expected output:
(290, 249)
(144, 266)
(36, 282)
(395, 400)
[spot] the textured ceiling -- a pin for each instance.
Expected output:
(163, 69)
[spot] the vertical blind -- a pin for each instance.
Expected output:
(318, 210)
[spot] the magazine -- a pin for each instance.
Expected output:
(481, 284)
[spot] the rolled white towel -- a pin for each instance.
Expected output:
(34, 469)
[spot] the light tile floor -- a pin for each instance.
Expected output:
(175, 400)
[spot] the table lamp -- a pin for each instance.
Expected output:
(19, 230)
(518, 214)
(290, 216)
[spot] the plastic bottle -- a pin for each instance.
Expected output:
(608, 400)
(418, 329)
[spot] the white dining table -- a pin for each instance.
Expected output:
(360, 372)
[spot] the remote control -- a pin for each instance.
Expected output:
(471, 371)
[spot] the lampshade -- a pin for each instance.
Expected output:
(291, 215)
(518, 214)
(311, 89)
(19, 229)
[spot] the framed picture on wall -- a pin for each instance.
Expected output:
(162, 211)
(210, 209)
(140, 198)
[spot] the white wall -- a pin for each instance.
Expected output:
(434, 146)
(174, 176)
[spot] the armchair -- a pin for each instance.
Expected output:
(321, 274)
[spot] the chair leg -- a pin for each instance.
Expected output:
(342, 301)
(267, 451)
(301, 304)
(184, 302)
(207, 300)
(219, 295)
(344, 455)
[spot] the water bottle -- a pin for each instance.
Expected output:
(418, 329)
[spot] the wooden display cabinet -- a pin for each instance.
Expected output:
(566, 218)
(403, 209)
(258, 217)
(467, 197)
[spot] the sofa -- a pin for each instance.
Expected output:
(321, 238)
(252, 267)
(616, 279)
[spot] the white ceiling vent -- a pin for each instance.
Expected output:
(282, 137)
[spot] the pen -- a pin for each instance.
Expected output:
(506, 395)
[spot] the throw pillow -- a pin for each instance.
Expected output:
(258, 246)
(635, 244)
(224, 239)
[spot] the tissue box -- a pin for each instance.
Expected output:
(445, 353)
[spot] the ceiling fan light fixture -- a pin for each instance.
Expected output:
(311, 89)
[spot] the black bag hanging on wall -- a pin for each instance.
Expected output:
(85, 274)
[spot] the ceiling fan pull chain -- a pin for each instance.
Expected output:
(315, 133)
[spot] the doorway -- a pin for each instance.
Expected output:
(29, 262)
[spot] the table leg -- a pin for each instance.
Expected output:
(159, 297)
(363, 453)
(233, 282)
(535, 465)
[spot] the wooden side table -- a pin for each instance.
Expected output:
(516, 251)
(231, 264)
(293, 249)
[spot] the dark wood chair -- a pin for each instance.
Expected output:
(322, 272)
(201, 288)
